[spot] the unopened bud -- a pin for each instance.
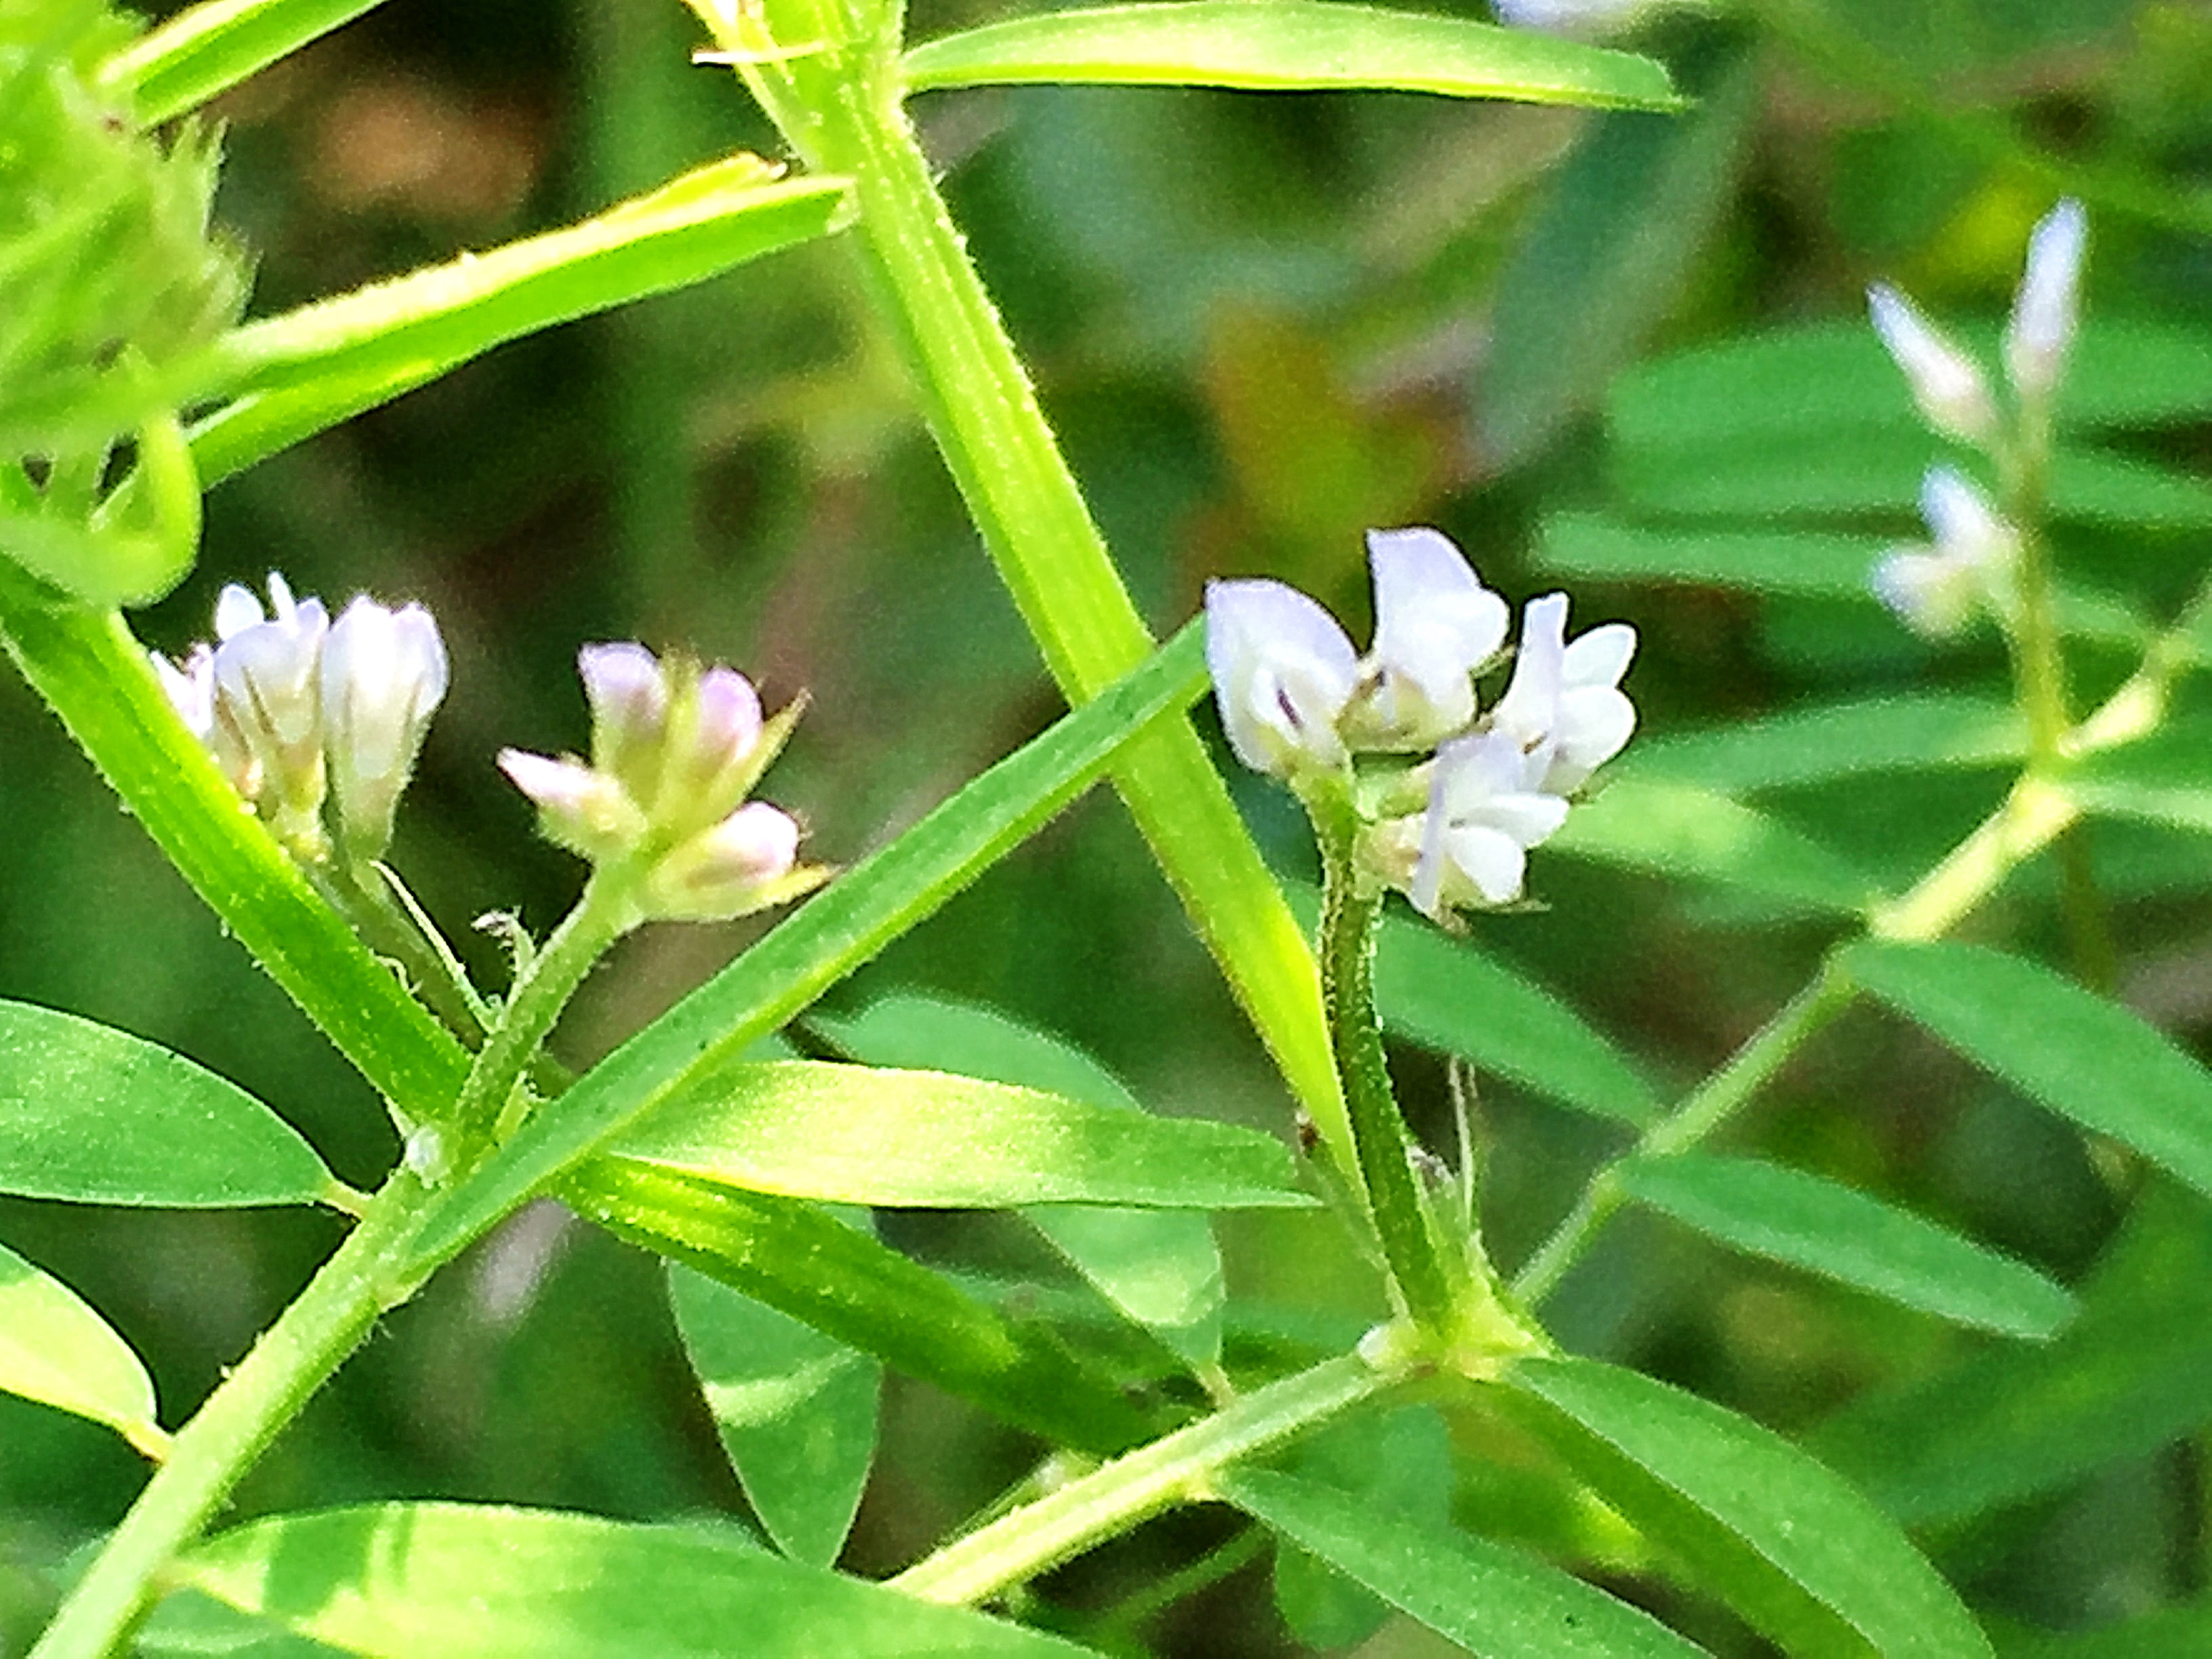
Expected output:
(580, 807)
(629, 697)
(2047, 309)
(384, 674)
(746, 862)
(1947, 384)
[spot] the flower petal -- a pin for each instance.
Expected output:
(1283, 671)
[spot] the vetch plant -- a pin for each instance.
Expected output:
(1477, 1448)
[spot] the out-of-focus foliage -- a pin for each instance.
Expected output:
(112, 274)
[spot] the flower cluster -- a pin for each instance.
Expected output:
(1937, 591)
(1300, 703)
(300, 711)
(675, 752)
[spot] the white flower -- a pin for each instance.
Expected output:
(1296, 698)
(1435, 625)
(742, 864)
(629, 697)
(1578, 19)
(1486, 808)
(1564, 708)
(2047, 309)
(266, 666)
(1282, 671)
(1936, 591)
(1946, 383)
(384, 674)
(191, 688)
(580, 808)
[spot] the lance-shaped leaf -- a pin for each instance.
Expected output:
(1675, 830)
(55, 1350)
(795, 1408)
(803, 1262)
(92, 1113)
(211, 47)
(1808, 1222)
(1789, 1545)
(1921, 733)
(866, 1134)
(1162, 1268)
(1282, 46)
(844, 926)
(1489, 1599)
(397, 1581)
(1449, 996)
(2081, 1054)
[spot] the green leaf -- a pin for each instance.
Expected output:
(400, 1580)
(1489, 1599)
(1792, 1217)
(1597, 548)
(860, 1135)
(1445, 994)
(55, 1349)
(2172, 1632)
(1799, 1553)
(1915, 732)
(213, 46)
(1670, 829)
(92, 1113)
(1606, 258)
(843, 927)
(1288, 45)
(2164, 779)
(2084, 1057)
(801, 1261)
(1161, 1269)
(2012, 1422)
(796, 1411)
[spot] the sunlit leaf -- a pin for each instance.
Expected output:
(1798, 1553)
(1162, 1268)
(1288, 45)
(1815, 1223)
(2079, 1054)
(94, 1114)
(864, 1134)
(1777, 561)
(801, 1261)
(796, 1411)
(1489, 1599)
(399, 1580)
(211, 47)
(2164, 779)
(55, 1349)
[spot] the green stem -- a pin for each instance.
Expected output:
(1714, 1102)
(829, 77)
(1381, 1141)
(1178, 1468)
(291, 1359)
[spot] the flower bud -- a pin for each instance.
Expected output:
(2047, 309)
(740, 864)
(1947, 384)
(266, 667)
(629, 697)
(384, 674)
(713, 736)
(579, 807)
(1936, 590)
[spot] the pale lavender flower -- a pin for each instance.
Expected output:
(384, 674)
(1565, 704)
(1486, 808)
(579, 807)
(628, 693)
(191, 688)
(1282, 671)
(741, 865)
(1435, 625)
(1578, 19)
(1936, 590)
(1947, 384)
(2046, 310)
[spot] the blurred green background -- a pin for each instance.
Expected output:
(1262, 325)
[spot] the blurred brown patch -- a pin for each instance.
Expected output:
(403, 143)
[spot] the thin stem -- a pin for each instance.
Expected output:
(1714, 1102)
(838, 103)
(1138, 1609)
(1178, 1468)
(291, 1359)
(1380, 1140)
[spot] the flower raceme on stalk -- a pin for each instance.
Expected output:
(1298, 702)
(675, 752)
(298, 711)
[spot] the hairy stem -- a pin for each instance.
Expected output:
(1178, 1468)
